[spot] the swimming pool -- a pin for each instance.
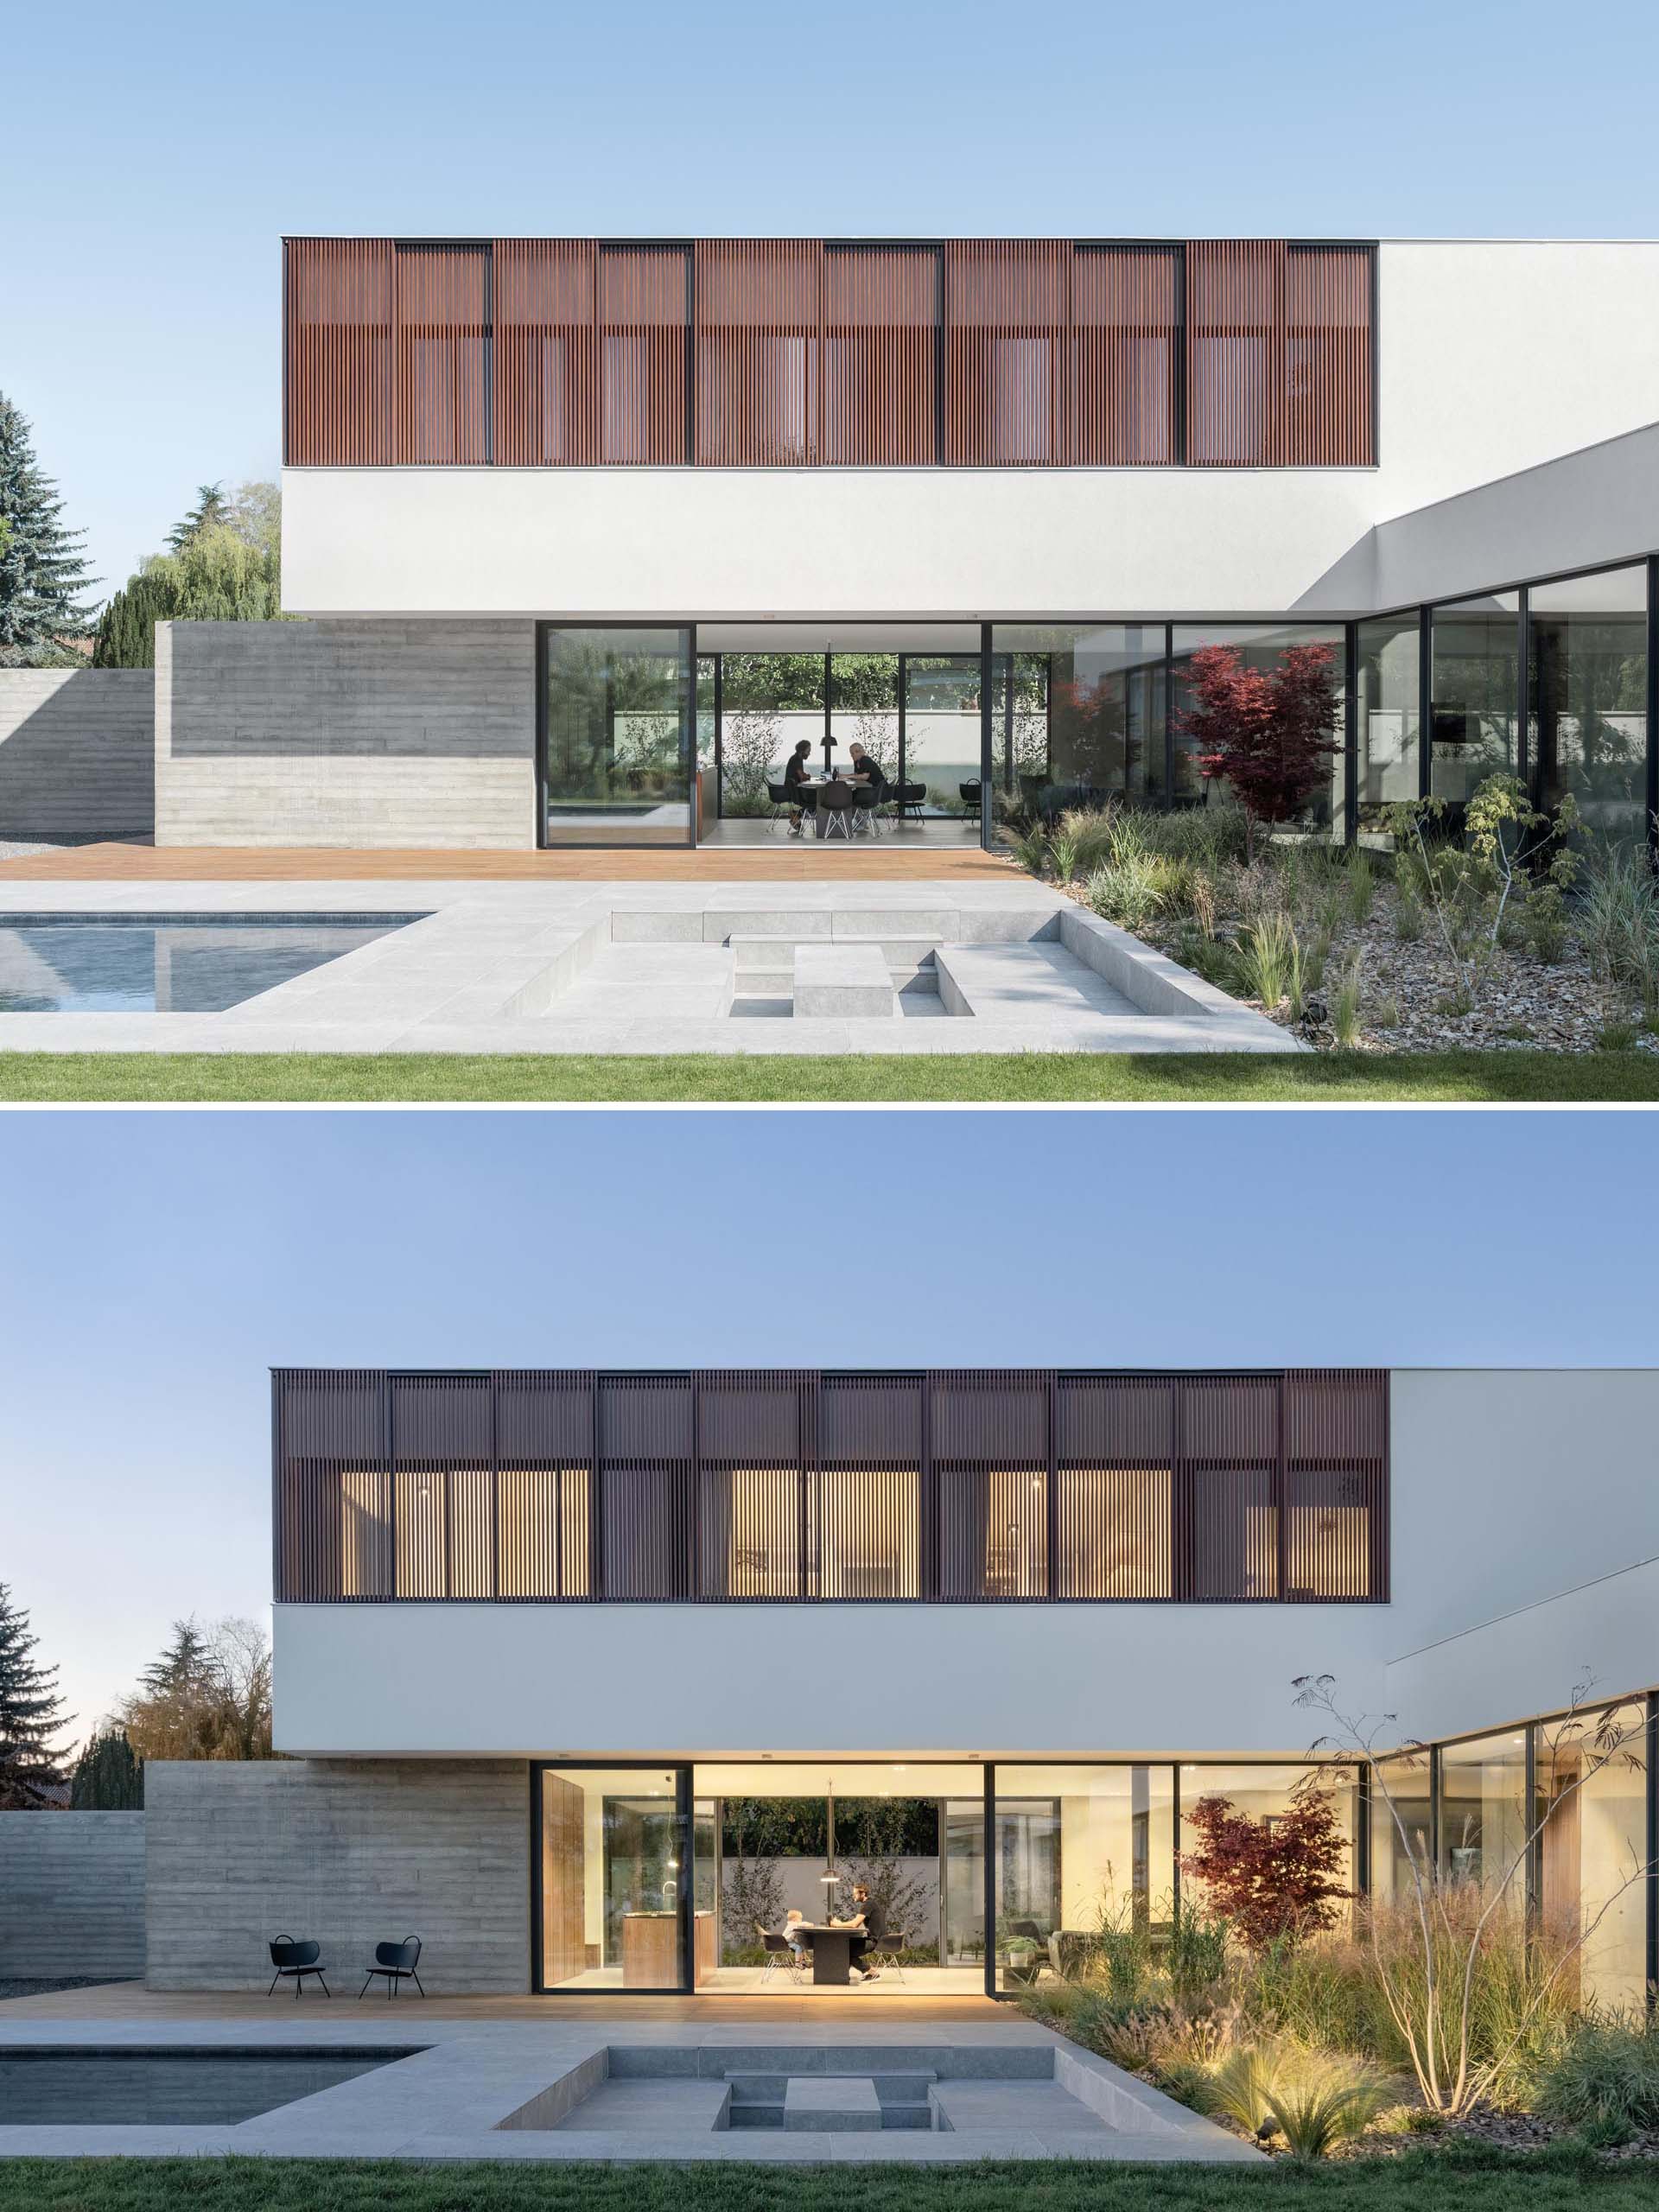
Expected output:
(183, 2086)
(168, 963)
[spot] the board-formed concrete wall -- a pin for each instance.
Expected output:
(77, 752)
(353, 1854)
(72, 1895)
(345, 734)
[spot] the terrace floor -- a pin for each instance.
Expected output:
(776, 861)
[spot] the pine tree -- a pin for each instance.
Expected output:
(212, 507)
(43, 569)
(108, 1776)
(31, 1713)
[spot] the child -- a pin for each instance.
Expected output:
(793, 1922)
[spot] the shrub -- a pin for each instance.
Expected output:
(1323, 2100)
(1242, 2086)
(1196, 1958)
(1128, 892)
(1090, 830)
(1062, 852)
(1272, 1884)
(1344, 1005)
(1030, 842)
(1264, 957)
(1361, 887)
(1618, 918)
(1604, 2070)
(1408, 918)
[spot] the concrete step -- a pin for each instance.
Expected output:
(905, 955)
(832, 2104)
(842, 980)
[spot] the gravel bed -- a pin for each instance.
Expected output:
(14, 1987)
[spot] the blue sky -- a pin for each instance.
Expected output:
(153, 157)
(158, 1263)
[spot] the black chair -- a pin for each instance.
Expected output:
(866, 803)
(294, 1958)
(882, 1956)
(970, 799)
(837, 803)
(912, 798)
(784, 803)
(396, 1962)
(780, 1952)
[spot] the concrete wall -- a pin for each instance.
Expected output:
(77, 752)
(1492, 357)
(345, 734)
(72, 1894)
(353, 1855)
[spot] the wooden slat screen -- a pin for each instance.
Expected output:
(443, 308)
(643, 298)
(1008, 341)
(546, 380)
(1126, 356)
(1328, 357)
(760, 315)
(788, 1485)
(880, 356)
(337, 403)
(546, 352)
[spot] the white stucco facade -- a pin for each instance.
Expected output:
(1492, 358)
(1524, 1505)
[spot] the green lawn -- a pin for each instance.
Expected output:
(1203, 1078)
(1474, 2181)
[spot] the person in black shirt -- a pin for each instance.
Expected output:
(801, 802)
(872, 789)
(872, 1923)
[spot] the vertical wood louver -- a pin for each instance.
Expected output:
(880, 356)
(1126, 356)
(759, 316)
(540, 352)
(338, 305)
(442, 307)
(546, 384)
(1328, 357)
(1235, 353)
(643, 298)
(1007, 341)
(784, 1486)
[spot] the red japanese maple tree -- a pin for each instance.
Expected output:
(1269, 1878)
(1270, 732)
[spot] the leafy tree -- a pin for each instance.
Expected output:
(212, 510)
(207, 1696)
(218, 575)
(43, 569)
(108, 1777)
(31, 1714)
(1270, 732)
(1270, 1879)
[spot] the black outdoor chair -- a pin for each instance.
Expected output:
(912, 800)
(396, 1962)
(883, 1957)
(780, 1952)
(867, 804)
(970, 799)
(784, 803)
(294, 1958)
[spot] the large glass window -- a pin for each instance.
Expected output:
(1261, 646)
(1081, 1852)
(1403, 1850)
(1587, 692)
(1266, 1794)
(1484, 1815)
(1590, 1775)
(618, 711)
(1389, 708)
(942, 732)
(769, 703)
(614, 1861)
(1077, 715)
(1474, 686)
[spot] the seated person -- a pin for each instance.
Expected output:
(802, 802)
(866, 770)
(872, 1923)
(793, 1923)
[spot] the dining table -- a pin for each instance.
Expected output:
(832, 1952)
(821, 814)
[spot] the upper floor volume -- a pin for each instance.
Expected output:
(806, 352)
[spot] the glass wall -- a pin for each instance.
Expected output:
(1590, 1807)
(1266, 1794)
(1080, 1850)
(1587, 696)
(942, 732)
(769, 703)
(1403, 1826)
(1259, 646)
(1484, 1812)
(1389, 708)
(617, 709)
(1077, 715)
(1474, 679)
(613, 1857)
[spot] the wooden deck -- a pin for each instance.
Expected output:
(130, 2001)
(810, 863)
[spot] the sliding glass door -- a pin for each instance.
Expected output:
(612, 1885)
(618, 736)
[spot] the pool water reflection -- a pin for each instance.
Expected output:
(173, 963)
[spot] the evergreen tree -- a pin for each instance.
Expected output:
(108, 1776)
(218, 574)
(31, 1713)
(211, 509)
(43, 569)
